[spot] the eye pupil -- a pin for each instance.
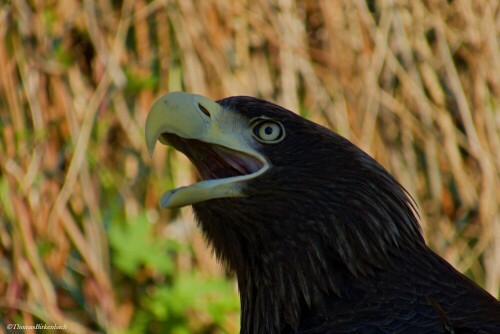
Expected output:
(268, 130)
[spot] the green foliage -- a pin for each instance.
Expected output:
(61, 55)
(176, 301)
(190, 291)
(135, 247)
(136, 84)
(190, 294)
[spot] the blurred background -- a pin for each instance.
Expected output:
(83, 241)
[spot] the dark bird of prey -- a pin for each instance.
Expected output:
(321, 237)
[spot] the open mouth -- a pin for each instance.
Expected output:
(216, 141)
(213, 161)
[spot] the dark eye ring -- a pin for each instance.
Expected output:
(268, 131)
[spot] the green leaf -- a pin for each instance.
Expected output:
(216, 297)
(135, 246)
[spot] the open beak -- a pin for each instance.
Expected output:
(216, 140)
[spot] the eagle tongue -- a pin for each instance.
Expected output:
(213, 161)
(241, 162)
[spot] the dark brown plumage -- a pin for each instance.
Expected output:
(325, 240)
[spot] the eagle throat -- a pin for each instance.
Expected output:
(289, 260)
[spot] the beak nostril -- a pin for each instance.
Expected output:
(204, 110)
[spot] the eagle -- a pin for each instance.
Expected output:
(321, 238)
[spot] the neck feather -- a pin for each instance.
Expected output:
(292, 255)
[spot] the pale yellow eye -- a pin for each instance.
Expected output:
(269, 131)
